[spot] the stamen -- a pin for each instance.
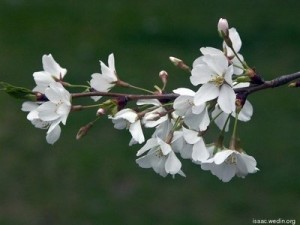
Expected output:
(218, 80)
(232, 160)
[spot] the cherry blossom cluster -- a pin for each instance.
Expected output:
(179, 119)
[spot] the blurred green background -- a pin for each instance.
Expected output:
(96, 180)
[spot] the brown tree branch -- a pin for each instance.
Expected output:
(279, 81)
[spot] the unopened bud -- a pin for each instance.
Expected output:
(18, 92)
(100, 112)
(163, 76)
(83, 130)
(223, 27)
(294, 84)
(175, 61)
(254, 76)
(179, 63)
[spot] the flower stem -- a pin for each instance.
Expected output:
(237, 56)
(140, 89)
(81, 107)
(127, 85)
(234, 140)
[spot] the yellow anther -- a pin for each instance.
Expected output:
(218, 80)
(232, 160)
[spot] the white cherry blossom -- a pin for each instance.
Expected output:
(196, 117)
(220, 117)
(160, 157)
(232, 59)
(227, 163)
(49, 114)
(105, 80)
(190, 145)
(52, 72)
(156, 116)
(215, 75)
(129, 119)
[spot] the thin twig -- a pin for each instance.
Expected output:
(279, 81)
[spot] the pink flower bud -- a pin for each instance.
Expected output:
(175, 61)
(223, 27)
(179, 63)
(100, 112)
(83, 130)
(163, 76)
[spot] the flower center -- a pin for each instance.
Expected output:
(218, 80)
(159, 152)
(231, 160)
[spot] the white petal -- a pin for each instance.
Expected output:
(220, 157)
(165, 148)
(136, 131)
(226, 99)
(217, 63)
(207, 164)
(184, 91)
(111, 62)
(246, 112)
(132, 142)
(242, 170)
(201, 74)
(211, 51)
(46, 111)
(99, 83)
(182, 105)
(148, 102)
(198, 61)
(190, 136)
(235, 39)
(153, 118)
(29, 106)
(51, 66)
(120, 124)
(186, 151)
(224, 172)
(228, 75)
(53, 93)
(192, 121)
(173, 165)
(237, 65)
(152, 142)
(54, 135)
(63, 111)
(143, 161)
(42, 78)
(205, 120)
(33, 115)
(206, 93)
(220, 118)
(200, 152)
(197, 109)
(127, 114)
(157, 163)
(108, 73)
(53, 125)
(250, 163)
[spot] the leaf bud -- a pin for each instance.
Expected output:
(179, 63)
